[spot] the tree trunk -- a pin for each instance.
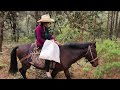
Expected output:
(108, 24)
(118, 30)
(2, 19)
(14, 25)
(36, 15)
(17, 37)
(113, 20)
(111, 26)
(12, 18)
(108, 21)
(94, 29)
(28, 19)
(1, 33)
(116, 24)
(116, 19)
(14, 31)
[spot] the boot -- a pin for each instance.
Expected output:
(49, 75)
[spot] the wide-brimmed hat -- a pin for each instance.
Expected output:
(46, 18)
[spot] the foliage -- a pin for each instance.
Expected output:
(105, 69)
(109, 52)
(27, 39)
(109, 49)
(68, 35)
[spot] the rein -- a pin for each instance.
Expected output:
(93, 59)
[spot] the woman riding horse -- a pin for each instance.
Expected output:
(69, 54)
(42, 33)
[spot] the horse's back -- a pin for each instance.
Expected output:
(23, 50)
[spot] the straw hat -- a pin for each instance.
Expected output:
(45, 18)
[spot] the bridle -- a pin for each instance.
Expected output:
(93, 59)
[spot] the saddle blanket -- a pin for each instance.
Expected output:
(50, 51)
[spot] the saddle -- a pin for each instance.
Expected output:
(37, 62)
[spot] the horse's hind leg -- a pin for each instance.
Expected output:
(24, 69)
(67, 74)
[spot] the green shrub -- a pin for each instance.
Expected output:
(110, 50)
(102, 70)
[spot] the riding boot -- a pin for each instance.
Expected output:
(47, 67)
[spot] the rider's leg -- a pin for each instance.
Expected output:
(47, 68)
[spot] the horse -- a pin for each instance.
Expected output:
(69, 54)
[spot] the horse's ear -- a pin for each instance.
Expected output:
(95, 44)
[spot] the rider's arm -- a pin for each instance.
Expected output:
(55, 40)
(39, 36)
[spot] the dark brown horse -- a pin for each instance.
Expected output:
(69, 54)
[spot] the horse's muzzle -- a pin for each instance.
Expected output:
(95, 63)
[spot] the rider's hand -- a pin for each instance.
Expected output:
(57, 43)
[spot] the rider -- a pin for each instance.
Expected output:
(42, 34)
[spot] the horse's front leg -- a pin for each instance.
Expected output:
(67, 74)
(54, 73)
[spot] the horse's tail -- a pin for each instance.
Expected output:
(13, 64)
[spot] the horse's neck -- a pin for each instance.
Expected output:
(77, 54)
(81, 53)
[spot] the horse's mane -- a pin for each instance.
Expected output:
(78, 45)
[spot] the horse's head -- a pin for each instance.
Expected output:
(91, 55)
